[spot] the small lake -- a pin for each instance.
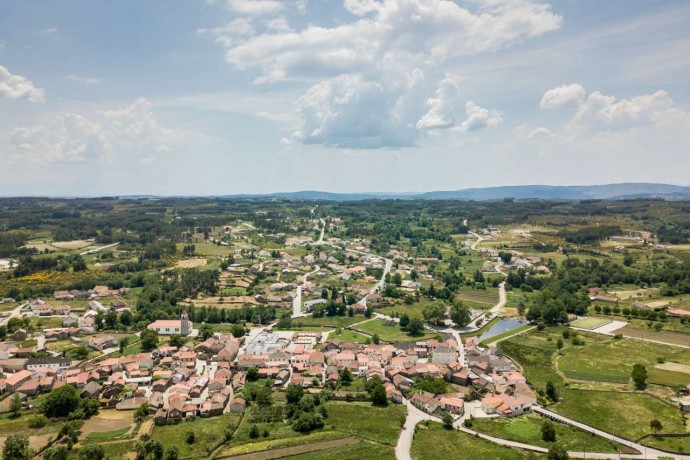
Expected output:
(500, 327)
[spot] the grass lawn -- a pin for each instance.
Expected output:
(527, 429)
(533, 351)
(669, 443)
(390, 333)
(507, 334)
(378, 424)
(362, 450)
(295, 440)
(590, 322)
(625, 414)
(436, 442)
(99, 436)
(334, 321)
(208, 433)
(609, 360)
(348, 336)
(234, 291)
(20, 425)
(206, 249)
(113, 450)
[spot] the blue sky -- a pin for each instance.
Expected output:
(254, 96)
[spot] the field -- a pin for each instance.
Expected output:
(208, 432)
(610, 360)
(191, 263)
(359, 451)
(207, 249)
(527, 429)
(436, 442)
(533, 351)
(674, 444)
(333, 321)
(348, 336)
(589, 323)
(677, 338)
(376, 424)
(390, 333)
(625, 414)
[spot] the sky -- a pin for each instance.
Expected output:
(215, 97)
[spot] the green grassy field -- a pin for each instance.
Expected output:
(609, 360)
(366, 421)
(348, 336)
(625, 414)
(335, 321)
(103, 435)
(206, 249)
(208, 432)
(673, 444)
(362, 450)
(113, 450)
(590, 322)
(295, 440)
(533, 351)
(390, 333)
(436, 442)
(527, 429)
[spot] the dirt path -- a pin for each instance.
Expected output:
(297, 450)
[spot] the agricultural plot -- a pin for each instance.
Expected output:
(610, 360)
(191, 263)
(435, 442)
(390, 333)
(527, 429)
(625, 414)
(590, 323)
(208, 432)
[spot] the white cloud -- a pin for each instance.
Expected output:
(50, 30)
(638, 127)
(255, 7)
(378, 81)
(480, 118)
(105, 136)
(566, 95)
(441, 112)
(18, 87)
(85, 80)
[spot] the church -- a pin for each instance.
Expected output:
(182, 326)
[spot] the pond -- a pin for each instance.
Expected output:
(502, 326)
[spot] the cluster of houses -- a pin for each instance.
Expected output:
(98, 292)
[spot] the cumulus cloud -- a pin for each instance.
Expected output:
(566, 95)
(255, 7)
(480, 118)
(378, 80)
(18, 87)
(605, 124)
(85, 80)
(104, 136)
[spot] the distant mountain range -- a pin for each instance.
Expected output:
(545, 192)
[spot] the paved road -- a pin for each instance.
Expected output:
(478, 240)
(388, 264)
(414, 416)
(297, 301)
(647, 452)
(16, 313)
(92, 251)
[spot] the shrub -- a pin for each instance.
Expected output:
(38, 421)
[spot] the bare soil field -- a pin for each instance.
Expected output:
(637, 293)
(75, 244)
(296, 450)
(675, 338)
(107, 421)
(674, 367)
(191, 263)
